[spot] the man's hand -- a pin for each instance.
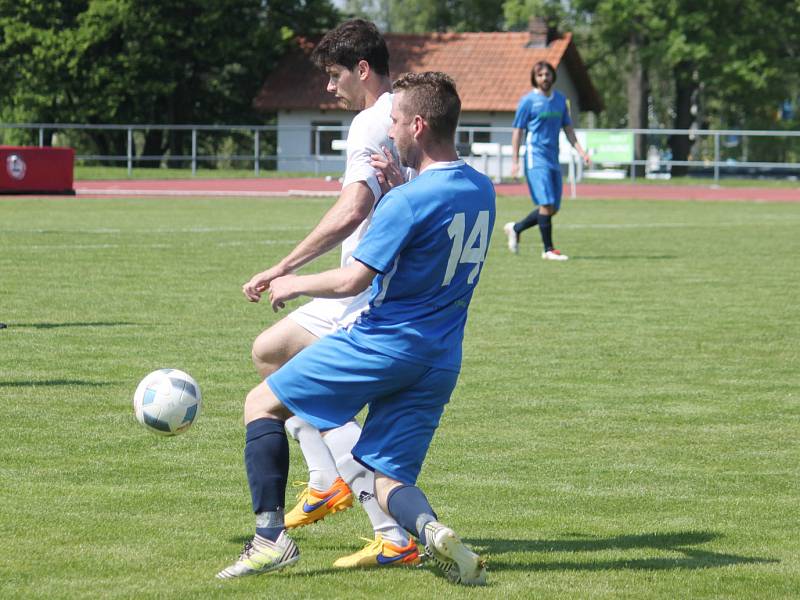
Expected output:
(281, 290)
(259, 283)
(514, 168)
(389, 173)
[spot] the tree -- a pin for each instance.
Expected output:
(144, 61)
(421, 16)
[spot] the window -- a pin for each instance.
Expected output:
(466, 136)
(325, 137)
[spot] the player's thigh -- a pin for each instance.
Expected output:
(540, 186)
(281, 341)
(399, 427)
(328, 383)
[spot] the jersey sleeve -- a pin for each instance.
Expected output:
(391, 227)
(566, 119)
(361, 144)
(523, 114)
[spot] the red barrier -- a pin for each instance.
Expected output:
(34, 170)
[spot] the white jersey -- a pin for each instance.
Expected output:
(368, 134)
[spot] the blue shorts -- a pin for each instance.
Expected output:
(328, 384)
(544, 186)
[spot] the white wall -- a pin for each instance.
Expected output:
(294, 137)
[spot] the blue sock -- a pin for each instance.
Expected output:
(411, 509)
(266, 459)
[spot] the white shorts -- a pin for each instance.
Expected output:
(323, 316)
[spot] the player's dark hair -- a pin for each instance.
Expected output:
(539, 65)
(351, 42)
(433, 96)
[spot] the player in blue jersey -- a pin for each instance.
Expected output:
(541, 114)
(355, 58)
(422, 257)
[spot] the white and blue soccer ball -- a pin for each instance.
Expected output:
(167, 401)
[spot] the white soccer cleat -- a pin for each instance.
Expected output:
(261, 556)
(554, 255)
(452, 556)
(513, 237)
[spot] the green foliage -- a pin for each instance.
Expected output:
(144, 61)
(635, 440)
(420, 16)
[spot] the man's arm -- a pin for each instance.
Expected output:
(336, 283)
(573, 139)
(516, 140)
(353, 206)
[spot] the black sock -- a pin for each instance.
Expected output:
(411, 509)
(546, 229)
(530, 221)
(266, 459)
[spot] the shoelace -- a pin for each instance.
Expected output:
(374, 543)
(303, 492)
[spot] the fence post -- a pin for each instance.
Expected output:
(41, 137)
(194, 152)
(716, 158)
(130, 152)
(257, 152)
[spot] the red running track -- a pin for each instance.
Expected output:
(268, 187)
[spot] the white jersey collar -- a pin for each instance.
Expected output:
(445, 164)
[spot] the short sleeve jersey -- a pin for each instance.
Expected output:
(368, 132)
(428, 241)
(542, 117)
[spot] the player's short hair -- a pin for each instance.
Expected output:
(433, 96)
(539, 65)
(351, 42)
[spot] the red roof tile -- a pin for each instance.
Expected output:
(491, 70)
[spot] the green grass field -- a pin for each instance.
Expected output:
(626, 424)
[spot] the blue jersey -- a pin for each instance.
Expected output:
(427, 240)
(542, 117)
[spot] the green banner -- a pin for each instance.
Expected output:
(609, 146)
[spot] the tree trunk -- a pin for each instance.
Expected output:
(153, 146)
(638, 92)
(685, 88)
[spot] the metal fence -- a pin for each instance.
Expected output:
(714, 153)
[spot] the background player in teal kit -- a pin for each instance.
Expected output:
(422, 255)
(541, 114)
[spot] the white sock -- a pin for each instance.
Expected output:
(321, 466)
(362, 481)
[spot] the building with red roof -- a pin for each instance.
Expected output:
(491, 71)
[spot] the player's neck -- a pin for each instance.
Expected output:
(381, 86)
(437, 154)
(546, 94)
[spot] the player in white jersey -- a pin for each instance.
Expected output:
(355, 57)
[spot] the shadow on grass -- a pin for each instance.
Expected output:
(682, 543)
(626, 257)
(50, 383)
(74, 324)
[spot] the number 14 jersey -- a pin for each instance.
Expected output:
(428, 241)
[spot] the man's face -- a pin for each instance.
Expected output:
(346, 85)
(544, 79)
(402, 133)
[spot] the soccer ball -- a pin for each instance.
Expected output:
(167, 401)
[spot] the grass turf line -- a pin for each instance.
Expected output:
(625, 425)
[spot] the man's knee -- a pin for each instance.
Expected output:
(261, 403)
(275, 346)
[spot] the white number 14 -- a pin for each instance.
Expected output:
(467, 252)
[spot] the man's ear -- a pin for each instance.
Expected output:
(363, 69)
(419, 125)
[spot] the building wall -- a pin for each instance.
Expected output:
(296, 149)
